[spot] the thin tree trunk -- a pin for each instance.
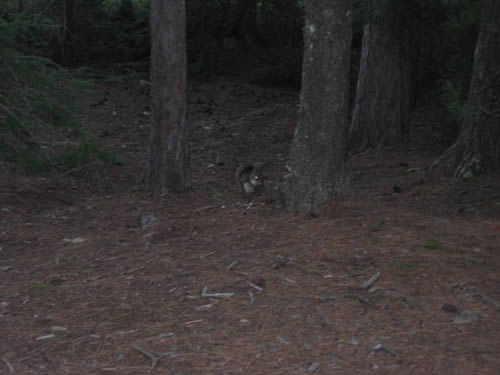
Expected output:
(318, 148)
(382, 104)
(169, 164)
(477, 148)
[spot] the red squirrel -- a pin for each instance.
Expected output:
(250, 177)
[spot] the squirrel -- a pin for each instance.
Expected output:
(250, 177)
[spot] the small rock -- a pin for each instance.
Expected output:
(147, 220)
(466, 316)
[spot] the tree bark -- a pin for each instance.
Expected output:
(169, 164)
(477, 148)
(383, 94)
(318, 148)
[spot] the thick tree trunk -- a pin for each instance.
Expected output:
(169, 165)
(382, 104)
(477, 148)
(318, 148)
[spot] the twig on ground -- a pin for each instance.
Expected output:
(371, 281)
(154, 359)
(251, 296)
(208, 207)
(255, 286)
(233, 265)
(9, 366)
(380, 347)
(204, 293)
(359, 297)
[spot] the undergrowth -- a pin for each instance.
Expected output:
(38, 103)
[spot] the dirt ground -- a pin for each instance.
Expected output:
(98, 278)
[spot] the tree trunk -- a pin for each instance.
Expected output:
(382, 104)
(318, 148)
(477, 148)
(169, 165)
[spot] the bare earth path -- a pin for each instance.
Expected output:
(96, 278)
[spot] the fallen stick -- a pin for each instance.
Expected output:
(371, 281)
(380, 347)
(9, 366)
(208, 207)
(154, 359)
(255, 286)
(204, 293)
(251, 296)
(233, 264)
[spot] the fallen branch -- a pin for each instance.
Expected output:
(255, 286)
(154, 359)
(9, 366)
(251, 296)
(233, 265)
(380, 347)
(208, 207)
(371, 281)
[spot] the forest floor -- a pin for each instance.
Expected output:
(98, 278)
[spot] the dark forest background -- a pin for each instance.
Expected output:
(52, 50)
